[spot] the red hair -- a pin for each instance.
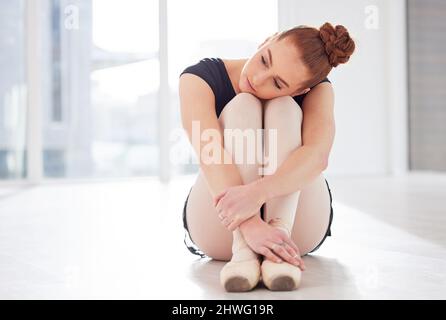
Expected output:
(320, 49)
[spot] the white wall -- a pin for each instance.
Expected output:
(370, 90)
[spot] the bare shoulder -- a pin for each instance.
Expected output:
(320, 97)
(191, 85)
(318, 127)
(195, 93)
(197, 102)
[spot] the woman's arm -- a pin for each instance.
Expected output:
(308, 161)
(197, 102)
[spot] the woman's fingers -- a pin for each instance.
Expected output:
(296, 252)
(229, 224)
(284, 237)
(291, 251)
(296, 258)
(233, 225)
(283, 252)
(290, 243)
(269, 255)
(218, 197)
(225, 222)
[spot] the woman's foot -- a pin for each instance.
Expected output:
(240, 276)
(242, 273)
(280, 276)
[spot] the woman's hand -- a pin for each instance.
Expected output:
(264, 238)
(238, 203)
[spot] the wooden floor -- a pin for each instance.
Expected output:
(124, 239)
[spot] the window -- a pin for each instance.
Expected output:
(99, 80)
(102, 106)
(12, 90)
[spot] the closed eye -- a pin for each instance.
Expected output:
(275, 82)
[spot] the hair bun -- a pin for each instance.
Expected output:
(338, 44)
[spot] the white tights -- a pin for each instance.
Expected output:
(303, 214)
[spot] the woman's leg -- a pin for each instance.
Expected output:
(304, 214)
(312, 215)
(205, 228)
(284, 115)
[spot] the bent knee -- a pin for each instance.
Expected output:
(285, 115)
(245, 100)
(244, 110)
(246, 96)
(284, 106)
(281, 100)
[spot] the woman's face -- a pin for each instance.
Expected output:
(273, 71)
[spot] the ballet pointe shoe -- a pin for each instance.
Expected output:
(240, 276)
(280, 276)
(242, 273)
